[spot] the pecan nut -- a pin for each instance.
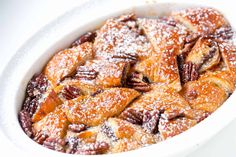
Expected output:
(25, 122)
(30, 105)
(86, 74)
(138, 82)
(203, 56)
(131, 58)
(37, 85)
(132, 116)
(69, 92)
(87, 37)
(55, 144)
(190, 72)
(150, 121)
(40, 137)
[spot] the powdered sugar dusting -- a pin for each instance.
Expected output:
(201, 20)
(99, 76)
(117, 37)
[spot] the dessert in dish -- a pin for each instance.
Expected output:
(131, 83)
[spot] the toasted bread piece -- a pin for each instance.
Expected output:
(54, 124)
(65, 62)
(204, 95)
(117, 37)
(201, 20)
(84, 137)
(148, 67)
(228, 51)
(161, 100)
(72, 88)
(47, 103)
(198, 115)
(170, 128)
(168, 72)
(105, 73)
(221, 78)
(163, 36)
(126, 136)
(167, 46)
(205, 54)
(93, 110)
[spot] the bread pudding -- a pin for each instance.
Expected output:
(131, 83)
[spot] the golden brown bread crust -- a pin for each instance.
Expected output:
(132, 83)
(221, 78)
(204, 54)
(228, 51)
(160, 99)
(54, 124)
(126, 136)
(201, 20)
(163, 35)
(167, 41)
(48, 103)
(93, 110)
(174, 127)
(65, 62)
(204, 95)
(107, 73)
(116, 37)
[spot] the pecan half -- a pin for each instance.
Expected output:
(77, 127)
(55, 144)
(138, 82)
(190, 72)
(30, 105)
(190, 41)
(150, 121)
(132, 116)
(203, 56)
(86, 74)
(37, 85)
(25, 122)
(87, 37)
(131, 58)
(93, 148)
(40, 137)
(70, 92)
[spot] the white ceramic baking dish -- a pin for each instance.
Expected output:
(34, 54)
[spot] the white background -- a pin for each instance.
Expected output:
(20, 19)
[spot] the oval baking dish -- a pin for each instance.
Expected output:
(36, 52)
